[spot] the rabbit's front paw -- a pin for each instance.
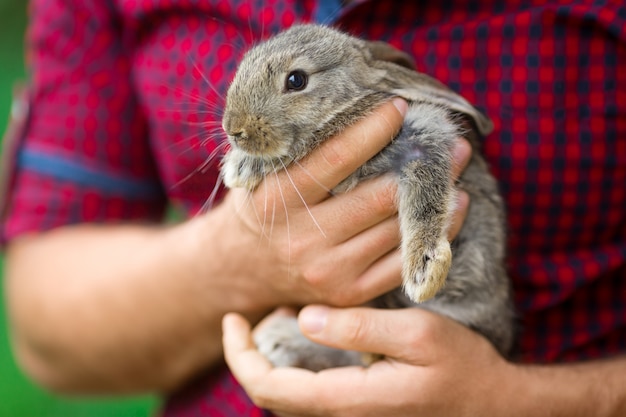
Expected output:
(425, 270)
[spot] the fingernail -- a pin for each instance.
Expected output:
(462, 150)
(462, 199)
(312, 319)
(400, 104)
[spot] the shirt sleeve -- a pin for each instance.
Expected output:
(83, 154)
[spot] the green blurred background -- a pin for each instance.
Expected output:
(18, 396)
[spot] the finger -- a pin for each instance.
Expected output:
(347, 289)
(281, 389)
(349, 214)
(381, 277)
(302, 393)
(372, 244)
(268, 387)
(391, 333)
(338, 157)
(246, 363)
(370, 266)
(459, 214)
(461, 154)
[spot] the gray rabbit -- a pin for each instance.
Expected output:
(308, 83)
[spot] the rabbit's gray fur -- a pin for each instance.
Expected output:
(269, 127)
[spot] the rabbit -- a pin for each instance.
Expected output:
(307, 83)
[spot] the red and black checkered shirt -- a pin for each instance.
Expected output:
(122, 92)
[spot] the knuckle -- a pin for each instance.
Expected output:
(329, 287)
(284, 253)
(375, 197)
(318, 276)
(340, 298)
(387, 236)
(384, 199)
(356, 330)
(295, 250)
(313, 277)
(255, 396)
(425, 332)
(260, 400)
(261, 394)
(414, 338)
(335, 154)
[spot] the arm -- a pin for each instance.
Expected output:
(132, 308)
(434, 367)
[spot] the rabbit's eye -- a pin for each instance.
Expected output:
(296, 81)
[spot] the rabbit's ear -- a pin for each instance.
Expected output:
(382, 51)
(429, 90)
(419, 87)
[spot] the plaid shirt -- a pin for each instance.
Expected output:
(125, 96)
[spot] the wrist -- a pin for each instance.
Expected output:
(506, 393)
(517, 390)
(541, 391)
(568, 390)
(223, 264)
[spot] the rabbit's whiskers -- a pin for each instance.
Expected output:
(308, 173)
(306, 206)
(282, 197)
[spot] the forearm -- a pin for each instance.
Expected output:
(594, 388)
(133, 308)
(117, 308)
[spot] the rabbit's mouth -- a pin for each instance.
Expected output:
(265, 142)
(242, 169)
(253, 134)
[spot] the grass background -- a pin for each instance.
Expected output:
(18, 396)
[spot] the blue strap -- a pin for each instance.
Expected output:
(67, 170)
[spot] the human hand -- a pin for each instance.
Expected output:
(306, 237)
(433, 366)
(304, 245)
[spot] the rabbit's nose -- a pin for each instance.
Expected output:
(233, 124)
(238, 136)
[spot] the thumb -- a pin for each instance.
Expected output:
(393, 333)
